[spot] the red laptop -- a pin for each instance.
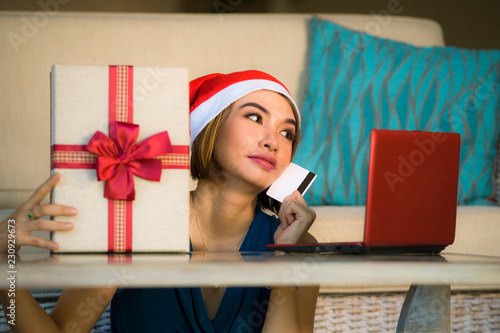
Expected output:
(411, 199)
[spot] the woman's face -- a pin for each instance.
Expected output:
(255, 143)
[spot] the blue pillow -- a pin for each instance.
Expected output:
(358, 82)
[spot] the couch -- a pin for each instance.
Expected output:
(275, 43)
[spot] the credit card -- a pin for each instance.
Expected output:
(293, 178)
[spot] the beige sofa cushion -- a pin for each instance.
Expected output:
(276, 43)
(477, 231)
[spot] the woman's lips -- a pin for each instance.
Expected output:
(265, 161)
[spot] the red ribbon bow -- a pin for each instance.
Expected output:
(120, 158)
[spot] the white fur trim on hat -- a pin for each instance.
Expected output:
(209, 109)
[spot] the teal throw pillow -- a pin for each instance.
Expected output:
(358, 82)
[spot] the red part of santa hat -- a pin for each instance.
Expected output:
(211, 94)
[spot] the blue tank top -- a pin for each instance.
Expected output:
(183, 309)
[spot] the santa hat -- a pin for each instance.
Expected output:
(209, 95)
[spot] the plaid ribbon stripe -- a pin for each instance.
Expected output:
(122, 94)
(178, 161)
(120, 109)
(120, 225)
(72, 157)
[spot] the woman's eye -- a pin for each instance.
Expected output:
(254, 117)
(288, 134)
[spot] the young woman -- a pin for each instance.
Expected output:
(244, 129)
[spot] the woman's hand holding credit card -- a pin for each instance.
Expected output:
(295, 215)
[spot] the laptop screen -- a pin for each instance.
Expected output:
(412, 188)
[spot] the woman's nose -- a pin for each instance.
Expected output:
(269, 140)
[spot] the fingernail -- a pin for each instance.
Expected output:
(69, 225)
(74, 211)
(53, 246)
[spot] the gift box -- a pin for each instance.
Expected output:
(120, 139)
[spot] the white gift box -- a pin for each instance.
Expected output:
(88, 99)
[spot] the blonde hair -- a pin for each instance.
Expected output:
(203, 163)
